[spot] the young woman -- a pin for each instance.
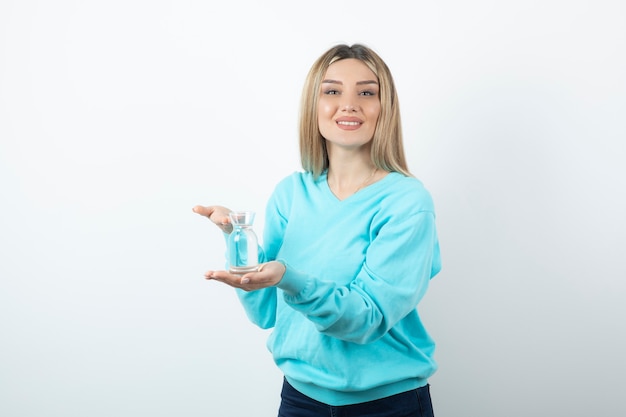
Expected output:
(350, 246)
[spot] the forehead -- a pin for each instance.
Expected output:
(349, 69)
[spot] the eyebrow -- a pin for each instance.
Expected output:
(358, 82)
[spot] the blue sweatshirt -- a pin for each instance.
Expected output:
(345, 323)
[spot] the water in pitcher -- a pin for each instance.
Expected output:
(243, 252)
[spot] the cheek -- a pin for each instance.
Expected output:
(325, 110)
(374, 112)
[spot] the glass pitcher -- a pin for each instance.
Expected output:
(243, 245)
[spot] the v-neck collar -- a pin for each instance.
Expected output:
(358, 195)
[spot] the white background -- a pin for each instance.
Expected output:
(117, 117)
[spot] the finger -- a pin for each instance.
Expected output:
(257, 279)
(226, 277)
(225, 225)
(224, 221)
(203, 211)
(246, 278)
(216, 215)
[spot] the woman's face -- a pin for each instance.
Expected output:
(349, 104)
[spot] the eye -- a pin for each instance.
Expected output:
(367, 93)
(331, 92)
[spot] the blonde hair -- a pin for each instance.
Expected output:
(387, 147)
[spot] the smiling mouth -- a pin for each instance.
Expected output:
(349, 123)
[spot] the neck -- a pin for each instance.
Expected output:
(344, 181)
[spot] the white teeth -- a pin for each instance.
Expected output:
(348, 123)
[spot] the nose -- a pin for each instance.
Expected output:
(349, 107)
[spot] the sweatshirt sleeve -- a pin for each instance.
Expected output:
(401, 259)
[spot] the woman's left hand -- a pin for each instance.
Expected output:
(266, 275)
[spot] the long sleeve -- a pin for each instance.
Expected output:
(399, 263)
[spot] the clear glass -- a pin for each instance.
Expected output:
(243, 245)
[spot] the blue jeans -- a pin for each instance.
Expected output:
(414, 403)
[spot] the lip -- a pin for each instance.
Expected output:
(348, 123)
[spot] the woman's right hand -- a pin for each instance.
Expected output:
(217, 214)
